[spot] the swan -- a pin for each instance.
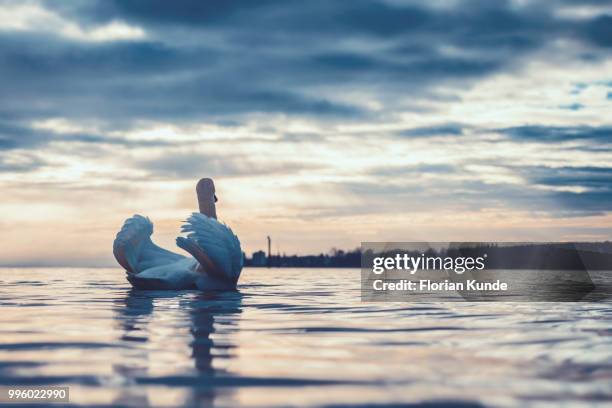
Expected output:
(216, 260)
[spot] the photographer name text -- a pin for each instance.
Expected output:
(427, 285)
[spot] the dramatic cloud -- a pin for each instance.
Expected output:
(13, 136)
(556, 134)
(193, 60)
(448, 129)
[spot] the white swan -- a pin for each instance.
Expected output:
(217, 258)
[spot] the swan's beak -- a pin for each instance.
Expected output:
(216, 199)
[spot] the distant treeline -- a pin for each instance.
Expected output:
(560, 256)
(335, 259)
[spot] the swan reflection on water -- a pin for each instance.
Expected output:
(192, 317)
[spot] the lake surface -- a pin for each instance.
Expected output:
(294, 337)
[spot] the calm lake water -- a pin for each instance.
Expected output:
(294, 337)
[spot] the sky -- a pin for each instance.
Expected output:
(323, 123)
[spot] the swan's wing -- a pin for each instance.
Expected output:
(134, 249)
(214, 245)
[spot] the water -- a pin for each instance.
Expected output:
(294, 337)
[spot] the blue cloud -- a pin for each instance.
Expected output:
(594, 178)
(572, 106)
(599, 31)
(448, 129)
(578, 88)
(555, 134)
(16, 136)
(592, 185)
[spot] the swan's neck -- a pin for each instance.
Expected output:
(207, 205)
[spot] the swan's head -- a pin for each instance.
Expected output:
(207, 197)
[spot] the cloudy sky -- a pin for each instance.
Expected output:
(324, 123)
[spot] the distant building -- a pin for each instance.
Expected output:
(259, 258)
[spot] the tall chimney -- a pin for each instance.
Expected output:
(269, 251)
